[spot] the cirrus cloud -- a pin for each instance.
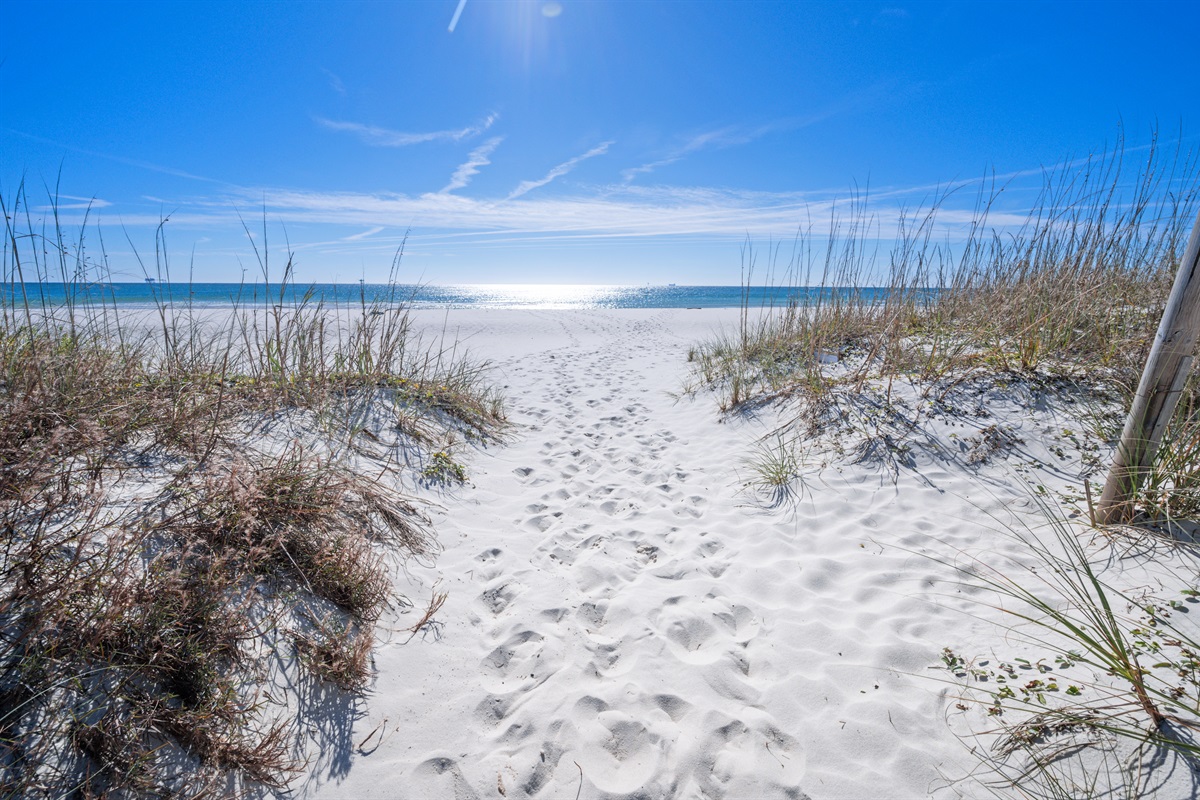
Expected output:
(385, 137)
(562, 169)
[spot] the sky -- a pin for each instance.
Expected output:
(530, 141)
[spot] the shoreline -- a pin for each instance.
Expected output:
(532, 297)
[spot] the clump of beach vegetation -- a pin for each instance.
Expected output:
(202, 514)
(1063, 301)
(1059, 306)
(1096, 689)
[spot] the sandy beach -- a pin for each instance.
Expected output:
(626, 619)
(546, 400)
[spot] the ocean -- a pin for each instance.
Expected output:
(528, 296)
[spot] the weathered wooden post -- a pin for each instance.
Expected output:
(1158, 392)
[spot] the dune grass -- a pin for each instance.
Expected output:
(1062, 306)
(191, 503)
(1106, 672)
(1068, 299)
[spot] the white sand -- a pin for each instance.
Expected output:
(625, 620)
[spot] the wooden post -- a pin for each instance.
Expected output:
(1158, 392)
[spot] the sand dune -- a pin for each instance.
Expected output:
(626, 620)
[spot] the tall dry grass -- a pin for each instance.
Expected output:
(1068, 293)
(163, 553)
(1065, 300)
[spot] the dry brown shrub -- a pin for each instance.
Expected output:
(152, 560)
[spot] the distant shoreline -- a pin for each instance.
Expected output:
(528, 296)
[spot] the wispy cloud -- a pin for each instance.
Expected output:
(637, 213)
(687, 212)
(358, 221)
(360, 236)
(722, 137)
(562, 169)
(80, 204)
(734, 135)
(335, 82)
(457, 13)
(630, 214)
(479, 157)
(385, 137)
(178, 173)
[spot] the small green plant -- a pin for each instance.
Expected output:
(1171, 489)
(778, 465)
(442, 468)
(1116, 665)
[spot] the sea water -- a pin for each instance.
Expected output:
(527, 296)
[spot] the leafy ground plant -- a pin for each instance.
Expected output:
(1105, 666)
(442, 468)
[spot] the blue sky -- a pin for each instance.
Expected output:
(569, 141)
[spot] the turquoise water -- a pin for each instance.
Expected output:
(533, 296)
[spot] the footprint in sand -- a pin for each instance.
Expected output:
(742, 623)
(493, 709)
(623, 508)
(592, 614)
(690, 635)
(738, 760)
(441, 777)
(551, 753)
(705, 631)
(693, 507)
(673, 706)
(520, 663)
(620, 755)
(647, 553)
(497, 598)
(540, 523)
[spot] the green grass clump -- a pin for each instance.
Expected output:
(1171, 488)
(774, 469)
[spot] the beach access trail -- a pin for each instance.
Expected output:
(625, 619)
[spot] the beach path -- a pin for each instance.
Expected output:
(624, 621)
